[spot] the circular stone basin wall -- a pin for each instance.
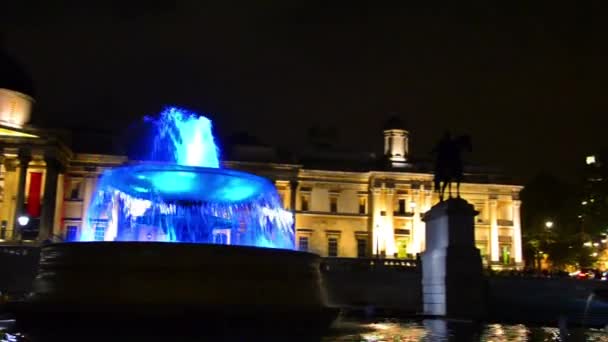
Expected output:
(132, 276)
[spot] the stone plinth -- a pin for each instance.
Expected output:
(452, 280)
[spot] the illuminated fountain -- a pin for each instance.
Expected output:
(179, 239)
(185, 197)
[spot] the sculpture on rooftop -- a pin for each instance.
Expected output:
(448, 163)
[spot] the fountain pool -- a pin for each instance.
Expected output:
(179, 240)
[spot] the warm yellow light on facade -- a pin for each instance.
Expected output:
(11, 133)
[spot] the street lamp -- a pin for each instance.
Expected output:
(549, 224)
(23, 220)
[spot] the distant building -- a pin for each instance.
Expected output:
(345, 204)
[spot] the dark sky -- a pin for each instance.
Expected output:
(528, 81)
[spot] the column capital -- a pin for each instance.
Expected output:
(375, 191)
(493, 202)
(54, 165)
(10, 163)
(293, 184)
(24, 155)
(516, 203)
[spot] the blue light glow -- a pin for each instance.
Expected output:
(186, 137)
(187, 197)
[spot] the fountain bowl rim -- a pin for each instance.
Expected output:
(130, 171)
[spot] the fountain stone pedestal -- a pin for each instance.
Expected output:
(453, 285)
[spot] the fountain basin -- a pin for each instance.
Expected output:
(170, 183)
(149, 281)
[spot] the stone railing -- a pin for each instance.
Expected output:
(368, 264)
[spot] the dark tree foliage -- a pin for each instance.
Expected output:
(579, 212)
(544, 199)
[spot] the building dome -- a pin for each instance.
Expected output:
(13, 76)
(396, 141)
(394, 122)
(16, 92)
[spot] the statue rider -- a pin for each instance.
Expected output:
(444, 152)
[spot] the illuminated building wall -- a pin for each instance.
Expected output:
(338, 213)
(374, 212)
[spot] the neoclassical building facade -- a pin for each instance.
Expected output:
(355, 208)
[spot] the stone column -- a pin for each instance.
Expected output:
(453, 285)
(4, 229)
(376, 221)
(90, 183)
(24, 159)
(47, 216)
(517, 248)
(418, 225)
(428, 195)
(10, 188)
(293, 195)
(494, 251)
(428, 200)
(389, 224)
(59, 199)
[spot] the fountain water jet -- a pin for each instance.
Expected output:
(186, 197)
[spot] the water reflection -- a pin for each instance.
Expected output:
(442, 330)
(351, 331)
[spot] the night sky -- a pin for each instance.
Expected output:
(527, 81)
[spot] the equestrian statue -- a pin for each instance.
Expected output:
(448, 163)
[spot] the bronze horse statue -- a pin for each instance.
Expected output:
(448, 163)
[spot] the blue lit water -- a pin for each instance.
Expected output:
(182, 194)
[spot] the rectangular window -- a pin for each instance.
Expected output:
(71, 233)
(401, 209)
(100, 232)
(362, 206)
(332, 247)
(361, 248)
(304, 204)
(333, 205)
(75, 190)
(303, 243)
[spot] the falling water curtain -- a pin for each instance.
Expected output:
(33, 198)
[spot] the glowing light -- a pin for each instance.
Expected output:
(590, 160)
(587, 244)
(584, 202)
(23, 220)
(549, 224)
